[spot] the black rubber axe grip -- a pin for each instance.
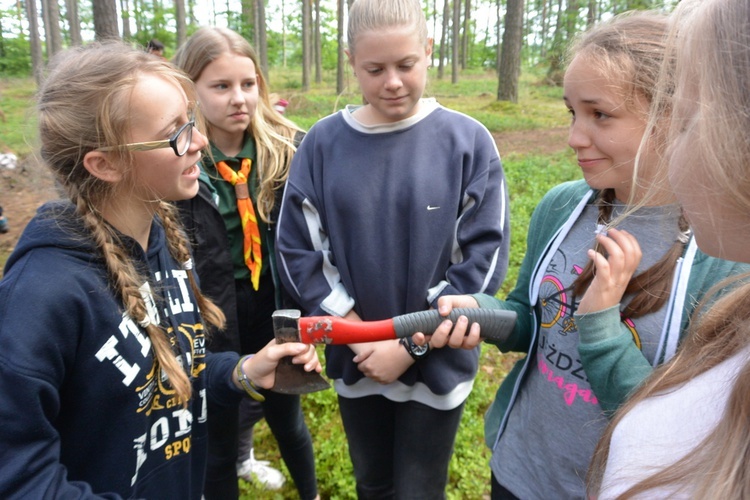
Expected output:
(495, 324)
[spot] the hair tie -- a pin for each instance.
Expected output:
(684, 236)
(188, 265)
(601, 229)
(145, 322)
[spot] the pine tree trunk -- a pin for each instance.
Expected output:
(306, 42)
(510, 59)
(74, 24)
(180, 21)
(105, 19)
(340, 59)
(260, 28)
(37, 61)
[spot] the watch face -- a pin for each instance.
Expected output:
(419, 350)
(414, 350)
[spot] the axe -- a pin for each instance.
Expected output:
(290, 326)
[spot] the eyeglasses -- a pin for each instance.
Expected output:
(179, 142)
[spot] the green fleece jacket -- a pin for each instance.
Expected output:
(613, 363)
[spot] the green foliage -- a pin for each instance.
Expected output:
(16, 57)
(475, 94)
(18, 128)
(529, 177)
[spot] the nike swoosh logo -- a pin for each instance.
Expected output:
(430, 207)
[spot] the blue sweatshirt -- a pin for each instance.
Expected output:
(387, 219)
(83, 412)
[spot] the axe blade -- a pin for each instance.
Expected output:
(291, 378)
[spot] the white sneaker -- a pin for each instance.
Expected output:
(266, 475)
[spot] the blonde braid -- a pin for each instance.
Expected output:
(127, 281)
(179, 247)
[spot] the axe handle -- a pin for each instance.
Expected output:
(496, 325)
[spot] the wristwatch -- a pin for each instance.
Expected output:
(417, 352)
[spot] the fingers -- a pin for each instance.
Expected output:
(420, 338)
(447, 303)
(439, 337)
(302, 354)
(363, 352)
(623, 250)
(458, 336)
(613, 271)
(386, 363)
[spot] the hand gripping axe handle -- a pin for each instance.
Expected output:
(496, 325)
(289, 326)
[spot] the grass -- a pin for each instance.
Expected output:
(539, 106)
(529, 176)
(17, 122)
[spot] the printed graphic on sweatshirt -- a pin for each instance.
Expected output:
(558, 361)
(129, 351)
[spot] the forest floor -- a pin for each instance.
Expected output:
(29, 185)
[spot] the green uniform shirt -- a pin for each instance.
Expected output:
(228, 205)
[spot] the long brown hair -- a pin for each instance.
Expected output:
(273, 134)
(83, 105)
(709, 48)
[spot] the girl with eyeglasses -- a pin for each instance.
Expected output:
(104, 372)
(232, 223)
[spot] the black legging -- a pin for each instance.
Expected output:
(283, 413)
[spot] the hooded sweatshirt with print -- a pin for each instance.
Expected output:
(85, 410)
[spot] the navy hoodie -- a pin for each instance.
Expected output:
(83, 410)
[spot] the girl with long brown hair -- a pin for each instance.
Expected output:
(610, 278)
(686, 432)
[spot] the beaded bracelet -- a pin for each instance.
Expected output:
(246, 383)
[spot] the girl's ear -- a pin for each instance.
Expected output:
(428, 48)
(101, 166)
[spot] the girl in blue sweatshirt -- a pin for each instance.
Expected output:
(388, 206)
(104, 372)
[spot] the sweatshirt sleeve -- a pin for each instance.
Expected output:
(518, 301)
(306, 266)
(219, 368)
(479, 260)
(30, 452)
(31, 372)
(613, 363)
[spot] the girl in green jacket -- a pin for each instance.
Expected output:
(587, 351)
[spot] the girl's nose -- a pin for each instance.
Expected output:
(236, 96)
(578, 136)
(393, 80)
(198, 141)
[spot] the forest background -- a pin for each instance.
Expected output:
(499, 61)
